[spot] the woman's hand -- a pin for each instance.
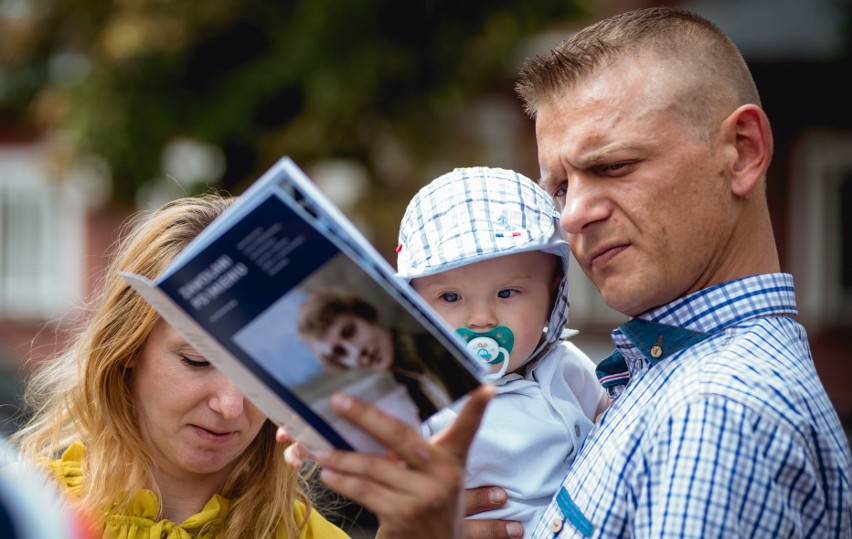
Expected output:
(476, 500)
(416, 490)
(294, 454)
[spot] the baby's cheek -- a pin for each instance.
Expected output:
(452, 319)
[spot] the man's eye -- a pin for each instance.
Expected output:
(193, 362)
(348, 331)
(560, 192)
(616, 169)
(450, 297)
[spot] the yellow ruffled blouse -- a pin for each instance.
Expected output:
(140, 523)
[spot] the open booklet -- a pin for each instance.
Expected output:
(287, 298)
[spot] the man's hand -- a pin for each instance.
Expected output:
(482, 499)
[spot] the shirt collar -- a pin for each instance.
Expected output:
(726, 304)
(659, 333)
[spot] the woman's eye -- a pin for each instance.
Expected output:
(450, 297)
(503, 294)
(194, 362)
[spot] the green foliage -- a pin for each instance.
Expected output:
(309, 78)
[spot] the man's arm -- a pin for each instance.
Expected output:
(716, 469)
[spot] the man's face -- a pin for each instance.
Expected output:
(647, 207)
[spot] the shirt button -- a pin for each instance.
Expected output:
(556, 525)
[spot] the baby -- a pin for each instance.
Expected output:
(484, 248)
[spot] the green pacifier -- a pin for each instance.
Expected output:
(491, 347)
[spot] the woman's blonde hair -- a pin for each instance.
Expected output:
(85, 392)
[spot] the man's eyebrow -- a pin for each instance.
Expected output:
(590, 158)
(598, 155)
(547, 182)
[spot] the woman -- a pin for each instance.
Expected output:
(155, 442)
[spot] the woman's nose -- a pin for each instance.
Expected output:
(227, 400)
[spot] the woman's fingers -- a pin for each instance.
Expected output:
(459, 435)
(399, 437)
(346, 467)
(294, 454)
(416, 490)
(412, 498)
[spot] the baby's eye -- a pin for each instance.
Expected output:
(507, 293)
(193, 363)
(450, 297)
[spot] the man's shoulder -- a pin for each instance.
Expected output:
(763, 364)
(768, 351)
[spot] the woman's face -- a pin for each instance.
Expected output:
(192, 418)
(355, 343)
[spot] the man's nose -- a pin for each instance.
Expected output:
(583, 205)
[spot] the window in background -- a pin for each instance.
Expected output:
(820, 253)
(845, 211)
(41, 237)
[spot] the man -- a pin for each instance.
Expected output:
(652, 139)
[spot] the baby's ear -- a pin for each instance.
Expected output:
(554, 289)
(557, 276)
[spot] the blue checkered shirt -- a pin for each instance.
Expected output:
(723, 430)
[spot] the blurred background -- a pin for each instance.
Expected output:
(111, 107)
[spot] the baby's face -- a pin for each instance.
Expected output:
(513, 291)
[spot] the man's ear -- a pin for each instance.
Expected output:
(749, 131)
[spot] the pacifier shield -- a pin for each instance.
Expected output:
(485, 349)
(491, 347)
(501, 334)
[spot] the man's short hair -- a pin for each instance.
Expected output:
(707, 71)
